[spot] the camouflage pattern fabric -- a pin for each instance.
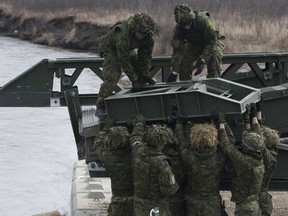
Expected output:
(154, 181)
(204, 169)
(265, 199)
(249, 209)
(265, 202)
(176, 201)
(247, 176)
(118, 47)
(203, 40)
(118, 164)
(270, 162)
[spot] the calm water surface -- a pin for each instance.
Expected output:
(37, 147)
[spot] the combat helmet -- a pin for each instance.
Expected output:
(118, 138)
(252, 141)
(203, 136)
(141, 22)
(157, 136)
(184, 15)
(271, 137)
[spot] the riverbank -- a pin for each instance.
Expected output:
(248, 27)
(59, 32)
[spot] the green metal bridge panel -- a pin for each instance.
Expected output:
(188, 99)
(265, 69)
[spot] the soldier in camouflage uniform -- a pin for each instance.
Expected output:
(113, 148)
(177, 203)
(270, 161)
(127, 45)
(269, 158)
(204, 163)
(197, 41)
(154, 181)
(248, 168)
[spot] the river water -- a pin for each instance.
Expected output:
(37, 147)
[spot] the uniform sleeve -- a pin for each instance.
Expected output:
(145, 55)
(167, 182)
(179, 131)
(210, 36)
(178, 45)
(256, 128)
(100, 145)
(231, 151)
(123, 51)
(136, 137)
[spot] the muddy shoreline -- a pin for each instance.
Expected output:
(59, 32)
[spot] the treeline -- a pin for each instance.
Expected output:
(259, 25)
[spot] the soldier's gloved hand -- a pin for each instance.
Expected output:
(171, 119)
(253, 110)
(200, 64)
(246, 115)
(139, 119)
(172, 77)
(221, 117)
(259, 104)
(149, 80)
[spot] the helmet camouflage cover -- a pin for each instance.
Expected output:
(158, 135)
(271, 137)
(252, 141)
(142, 22)
(203, 136)
(183, 14)
(118, 138)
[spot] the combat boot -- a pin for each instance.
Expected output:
(136, 86)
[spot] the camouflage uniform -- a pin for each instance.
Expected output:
(247, 177)
(121, 50)
(202, 41)
(154, 181)
(118, 163)
(204, 168)
(270, 161)
(177, 203)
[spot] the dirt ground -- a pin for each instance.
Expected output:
(280, 203)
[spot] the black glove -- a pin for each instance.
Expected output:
(172, 78)
(259, 104)
(253, 110)
(136, 86)
(200, 63)
(139, 118)
(149, 80)
(221, 117)
(171, 119)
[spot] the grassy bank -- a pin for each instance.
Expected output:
(249, 26)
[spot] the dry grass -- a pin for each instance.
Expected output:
(249, 26)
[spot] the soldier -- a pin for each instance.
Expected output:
(269, 154)
(154, 181)
(197, 41)
(127, 45)
(204, 163)
(177, 203)
(248, 168)
(113, 148)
